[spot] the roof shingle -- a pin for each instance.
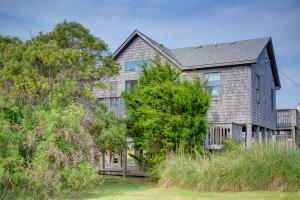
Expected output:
(220, 54)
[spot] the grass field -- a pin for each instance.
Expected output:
(143, 189)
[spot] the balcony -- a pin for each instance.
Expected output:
(287, 118)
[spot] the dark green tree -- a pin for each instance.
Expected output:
(166, 113)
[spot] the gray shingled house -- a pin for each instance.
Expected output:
(242, 78)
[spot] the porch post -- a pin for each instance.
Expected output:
(248, 134)
(269, 136)
(294, 137)
(258, 135)
(264, 135)
(121, 160)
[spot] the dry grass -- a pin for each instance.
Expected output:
(272, 168)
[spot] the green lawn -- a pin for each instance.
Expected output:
(136, 188)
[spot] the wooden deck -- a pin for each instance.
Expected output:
(115, 170)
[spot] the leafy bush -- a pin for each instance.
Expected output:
(12, 174)
(256, 168)
(46, 97)
(80, 178)
(54, 144)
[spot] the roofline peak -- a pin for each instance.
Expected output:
(157, 46)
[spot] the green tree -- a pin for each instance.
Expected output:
(166, 112)
(60, 60)
(45, 92)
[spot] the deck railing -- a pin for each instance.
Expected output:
(282, 138)
(216, 135)
(285, 140)
(116, 105)
(286, 118)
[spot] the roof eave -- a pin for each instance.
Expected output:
(228, 64)
(273, 64)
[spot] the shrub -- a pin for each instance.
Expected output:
(79, 178)
(61, 147)
(46, 95)
(256, 168)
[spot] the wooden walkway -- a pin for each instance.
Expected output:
(115, 170)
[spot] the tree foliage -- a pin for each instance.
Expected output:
(112, 131)
(45, 92)
(166, 112)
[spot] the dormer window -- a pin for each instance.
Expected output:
(136, 65)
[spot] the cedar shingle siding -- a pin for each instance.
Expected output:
(262, 112)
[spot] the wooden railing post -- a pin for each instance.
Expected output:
(125, 162)
(121, 159)
(103, 160)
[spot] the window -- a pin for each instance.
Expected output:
(257, 88)
(273, 94)
(113, 88)
(136, 65)
(257, 95)
(130, 84)
(214, 84)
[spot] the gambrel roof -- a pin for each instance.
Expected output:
(215, 55)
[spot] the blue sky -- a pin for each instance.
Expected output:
(173, 23)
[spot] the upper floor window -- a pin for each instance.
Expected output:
(113, 88)
(273, 95)
(257, 89)
(136, 65)
(214, 83)
(130, 84)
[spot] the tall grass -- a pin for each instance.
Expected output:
(271, 167)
